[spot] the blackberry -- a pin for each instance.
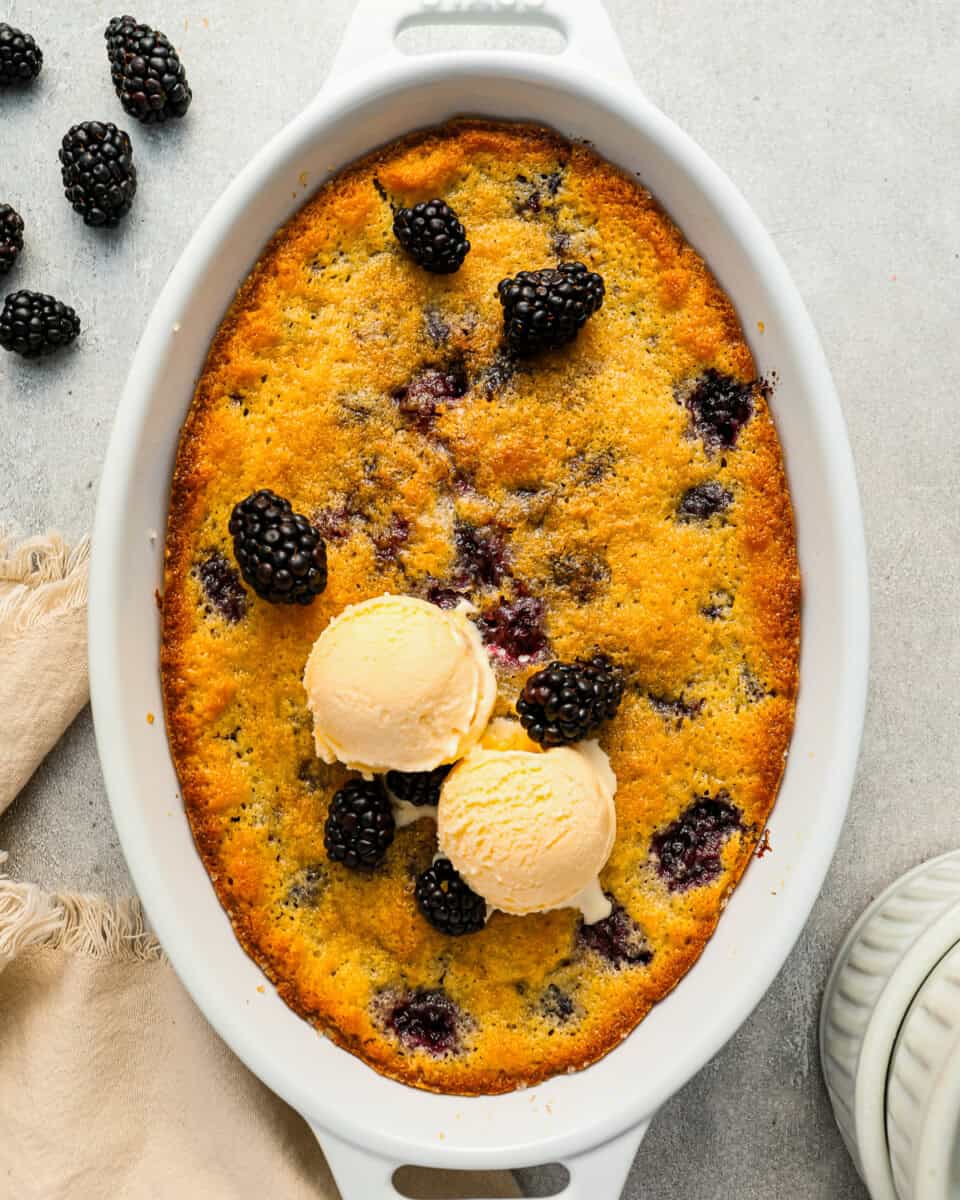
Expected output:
(688, 852)
(436, 328)
(308, 886)
(512, 630)
(424, 1020)
(556, 1005)
(281, 556)
(703, 501)
(432, 236)
(548, 308)
(581, 574)
(33, 324)
(11, 237)
(420, 400)
(147, 73)
(496, 376)
(565, 702)
(388, 543)
(99, 178)
(359, 827)
(446, 901)
(482, 558)
(421, 788)
(20, 56)
(617, 939)
(222, 587)
(443, 596)
(675, 708)
(719, 407)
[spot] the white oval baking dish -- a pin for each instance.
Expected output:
(592, 1121)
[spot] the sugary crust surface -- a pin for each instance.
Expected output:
(578, 460)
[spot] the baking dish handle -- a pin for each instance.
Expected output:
(591, 41)
(598, 1174)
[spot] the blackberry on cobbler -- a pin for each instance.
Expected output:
(546, 309)
(421, 788)
(33, 324)
(11, 237)
(146, 70)
(446, 901)
(360, 826)
(281, 556)
(99, 178)
(565, 702)
(20, 56)
(432, 236)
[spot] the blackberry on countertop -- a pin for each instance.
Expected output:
(11, 237)
(446, 901)
(99, 178)
(421, 788)
(360, 826)
(565, 702)
(432, 236)
(32, 324)
(548, 308)
(147, 73)
(20, 56)
(281, 556)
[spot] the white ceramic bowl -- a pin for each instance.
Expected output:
(880, 966)
(592, 1120)
(923, 1091)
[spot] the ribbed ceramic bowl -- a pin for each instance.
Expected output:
(592, 1120)
(923, 1091)
(881, 965)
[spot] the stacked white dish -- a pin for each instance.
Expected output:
(890, 1037)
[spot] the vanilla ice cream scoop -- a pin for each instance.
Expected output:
(398, 684)
(531, 831)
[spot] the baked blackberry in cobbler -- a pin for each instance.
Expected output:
(616, 499)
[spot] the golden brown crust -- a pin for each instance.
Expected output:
(580, 458)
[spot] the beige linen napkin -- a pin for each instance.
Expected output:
(43, 651)
(112, 1085)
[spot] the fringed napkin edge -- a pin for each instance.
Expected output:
(40, 578)
(84, 925)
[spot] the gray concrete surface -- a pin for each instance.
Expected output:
(839, 122)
